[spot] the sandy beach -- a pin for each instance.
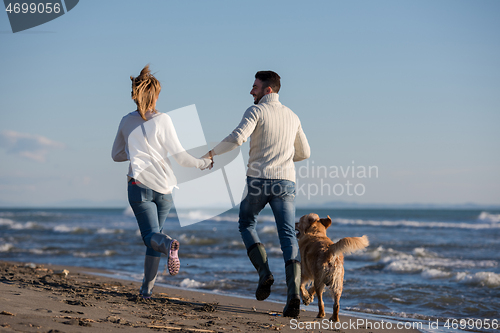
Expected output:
(44, 298)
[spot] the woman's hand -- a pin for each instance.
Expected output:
(210, 156)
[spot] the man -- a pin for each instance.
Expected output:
(276, 141)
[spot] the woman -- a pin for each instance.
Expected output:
(144, 138)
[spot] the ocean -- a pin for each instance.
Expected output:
(420, 265)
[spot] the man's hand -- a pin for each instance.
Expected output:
(209, 156)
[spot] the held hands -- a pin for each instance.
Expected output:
(209, 156)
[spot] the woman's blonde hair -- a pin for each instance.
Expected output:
(145, 91)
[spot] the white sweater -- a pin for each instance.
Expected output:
(147, 151)
(276, 139)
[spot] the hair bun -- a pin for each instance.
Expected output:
(145, 73)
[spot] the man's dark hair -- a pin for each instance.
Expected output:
(269, 79)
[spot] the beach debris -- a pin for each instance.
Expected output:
(175, 328)
(272, 327)
(86, 320)
(78, 321)
(118, 320)
(209, 307)
(77, 302)
(274, 314)
(30, 265)
(62, 272)
(172, 298)
(71, 312)
(114, 319)
(5, 313)
(254, 309)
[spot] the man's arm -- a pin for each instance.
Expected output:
(302, 149)
(240, 134)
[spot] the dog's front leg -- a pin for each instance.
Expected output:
(312, 292)
(306, 297)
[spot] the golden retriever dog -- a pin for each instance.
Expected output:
(323, 260)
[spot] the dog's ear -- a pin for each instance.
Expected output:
(326, 222)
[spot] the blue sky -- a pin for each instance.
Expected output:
(410, 87)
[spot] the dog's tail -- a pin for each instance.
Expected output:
(348, 245)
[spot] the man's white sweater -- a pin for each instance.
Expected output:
(276, 139)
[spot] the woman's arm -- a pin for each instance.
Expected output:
(118, 152)
(173, 146)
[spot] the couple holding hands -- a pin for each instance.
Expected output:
(276, 142)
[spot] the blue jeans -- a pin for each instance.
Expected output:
(150, 209)
(280, 194)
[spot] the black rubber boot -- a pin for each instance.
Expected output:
(292, 272)
(258, 257)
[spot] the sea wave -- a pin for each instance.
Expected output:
(202, 215)
(193, 240)
(418, 224)
(6, 247)
(31, 213)
(62, 228)
(275, 250)
(420, 261)
(106, 253)
(219, 286)
(435, 273)
(269, 229)
(47, 251)
(6, 222)
(110, 231)
(394, 314)
(190, 283)
(128, 212)
(26, 225)
(19, 225)
(487, 217)
(488, 279)
(430, 266)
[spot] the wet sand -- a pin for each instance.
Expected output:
(44, 298)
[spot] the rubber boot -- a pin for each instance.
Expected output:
(292, 272)
(258, 257)
(168, 246)
(150, 272)
(161, 243)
